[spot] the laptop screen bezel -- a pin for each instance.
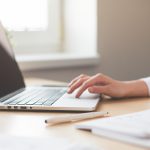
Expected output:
(8, 86)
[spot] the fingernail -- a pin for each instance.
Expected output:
(90, 90)
(69, 91)
(77, 96)
(69, 84)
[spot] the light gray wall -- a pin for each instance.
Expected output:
(123, 42)
(125, 38)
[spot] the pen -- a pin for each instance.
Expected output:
(75, 117)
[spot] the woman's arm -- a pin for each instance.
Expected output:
(103, 84)
(136, 88)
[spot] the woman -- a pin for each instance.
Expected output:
(103, 84)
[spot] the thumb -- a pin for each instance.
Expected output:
(98, 89)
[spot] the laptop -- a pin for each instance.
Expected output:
(15, 95)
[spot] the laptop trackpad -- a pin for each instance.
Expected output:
(86, 100)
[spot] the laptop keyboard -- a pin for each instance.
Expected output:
(36, 96)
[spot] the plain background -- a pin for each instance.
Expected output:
(123, 43)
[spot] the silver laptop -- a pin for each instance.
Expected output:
(14, 95)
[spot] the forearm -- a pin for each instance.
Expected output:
(136, 88)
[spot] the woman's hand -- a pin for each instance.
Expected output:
(103, 84)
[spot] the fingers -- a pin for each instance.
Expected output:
(97, 79)
(98, 89)
(96, 84)
(76, 85)
(76, 79)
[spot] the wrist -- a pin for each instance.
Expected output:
(136, 88)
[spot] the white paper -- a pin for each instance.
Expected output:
(133, 128)
(30, 143)
(35, 143)
(142, 142)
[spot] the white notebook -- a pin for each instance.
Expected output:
(132, 128)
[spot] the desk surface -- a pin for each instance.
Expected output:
(32, 123)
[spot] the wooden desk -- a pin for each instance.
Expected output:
(32, 123)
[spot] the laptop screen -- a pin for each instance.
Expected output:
(10, 76)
